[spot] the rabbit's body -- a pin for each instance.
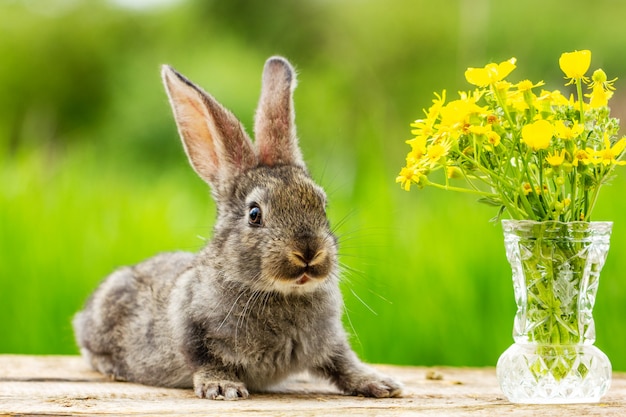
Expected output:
(262, 300)
(266, 336)
(136, 347)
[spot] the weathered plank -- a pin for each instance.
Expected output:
(58, 385)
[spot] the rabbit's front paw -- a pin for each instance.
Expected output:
(376, 386)
(212, 389)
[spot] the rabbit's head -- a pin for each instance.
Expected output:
(272, 233)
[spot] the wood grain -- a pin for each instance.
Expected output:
(64, 385)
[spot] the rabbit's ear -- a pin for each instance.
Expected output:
(274, 128)
(213, 138)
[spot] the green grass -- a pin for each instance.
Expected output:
(68, 221)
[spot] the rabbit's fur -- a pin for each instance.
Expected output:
(261, 301)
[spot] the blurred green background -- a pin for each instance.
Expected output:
(92, 174)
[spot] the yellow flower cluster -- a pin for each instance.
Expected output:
(539, 156)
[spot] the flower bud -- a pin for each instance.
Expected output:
(567, 167)
(599, 76)
(559, 206)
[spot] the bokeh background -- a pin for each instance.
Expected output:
(92, 174)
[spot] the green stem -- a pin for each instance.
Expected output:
(460, 189)
(502, 105)
(594, 197)
(513, 210)
(574, 201)
(579, 91)
(540, 153)
(531, 107)
(526, 172)
(491, 174)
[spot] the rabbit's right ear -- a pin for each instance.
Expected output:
(213, 138)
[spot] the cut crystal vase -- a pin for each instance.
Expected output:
(556, 269)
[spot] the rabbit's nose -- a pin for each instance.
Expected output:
(308, 257)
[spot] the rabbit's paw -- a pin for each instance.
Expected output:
(219, 389)
(376, 386)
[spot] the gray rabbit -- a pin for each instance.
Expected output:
(261, 300)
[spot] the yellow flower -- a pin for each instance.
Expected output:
(557, 158)
(610, 154)
(438, 102)
(537, 135)
(407, 176)
(503, 86)
(582, 155)
(601, 89)
(547, 99)
(414, 158)
(418, 146)
(490, 74)
(599, 97)
(457, 112)
(568, 133)
(575, 64)
(422, 127)
(480, 130)
(539, 154)
(559, 99)
(517, 101)
(436, 151)
(493, 138)
(527, 85)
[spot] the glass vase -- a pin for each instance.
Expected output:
(556, 269)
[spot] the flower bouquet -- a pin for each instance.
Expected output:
(541, 158)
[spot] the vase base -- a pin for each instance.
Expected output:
(553, 374)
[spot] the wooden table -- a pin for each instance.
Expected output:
(64, 385)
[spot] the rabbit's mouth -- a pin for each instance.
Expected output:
(303, 283)
(302, 280)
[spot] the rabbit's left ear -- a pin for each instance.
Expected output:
(274, 128)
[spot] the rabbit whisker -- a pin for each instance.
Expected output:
(342, 221)
(253, 300)
(229, 286)
(242, 321)
(354, 332)
(363, 302)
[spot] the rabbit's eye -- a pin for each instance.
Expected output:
(255, 218)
